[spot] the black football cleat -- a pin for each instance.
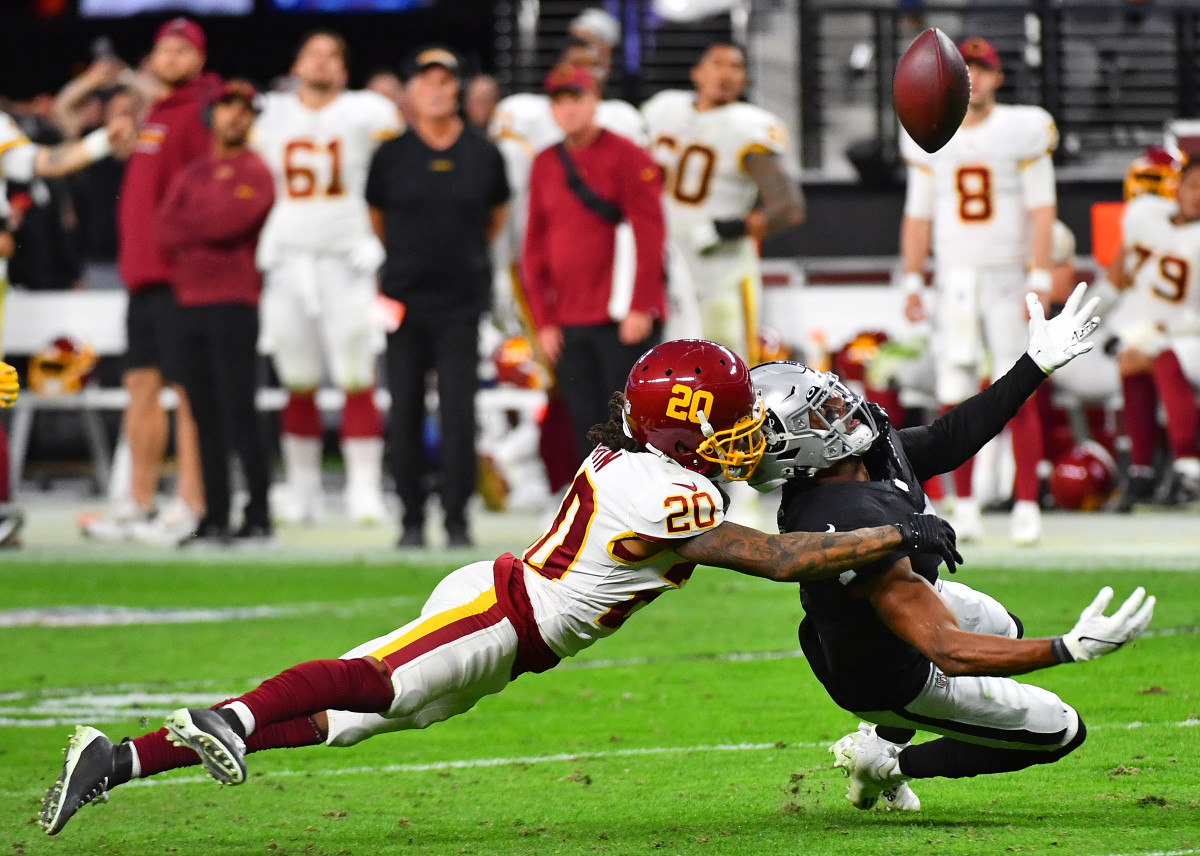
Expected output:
(85, 778)
(205, 732)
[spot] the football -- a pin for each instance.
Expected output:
(931, 89)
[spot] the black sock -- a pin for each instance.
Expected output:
(892, 734)
(122, 764)
(233, 721)
(954, 759)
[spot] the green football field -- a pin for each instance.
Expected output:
(697, 728)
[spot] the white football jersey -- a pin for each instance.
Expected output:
(582, 582)
(702, 153)
(1164, 261)
(319, 159)
(978, 188)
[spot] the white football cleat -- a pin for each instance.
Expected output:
(1026, 523)
(967, 520)
(899, 798)
(366, 507)
(174, 522)
(116, 524)
(871, 763)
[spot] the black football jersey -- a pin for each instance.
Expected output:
(862, 664)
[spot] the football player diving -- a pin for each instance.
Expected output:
(891, 641)
(643, 510)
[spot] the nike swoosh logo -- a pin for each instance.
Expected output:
(831, 528)
(691, 486)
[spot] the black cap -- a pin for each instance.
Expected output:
(428, 57)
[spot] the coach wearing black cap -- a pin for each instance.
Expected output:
(438, 195)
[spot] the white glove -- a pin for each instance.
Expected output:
(1097, 634)
(1056, 342)
(367, 255)
(704, 237)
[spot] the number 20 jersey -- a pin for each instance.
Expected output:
(582, 581)
(976, 190)
(319, 159)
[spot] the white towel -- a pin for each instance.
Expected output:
(962, 342)
(624, 272)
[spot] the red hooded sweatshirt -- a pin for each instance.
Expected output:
(173, 135)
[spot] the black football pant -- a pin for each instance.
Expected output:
(593, 365)
(449, 346)
(218, 362)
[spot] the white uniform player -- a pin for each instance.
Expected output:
(703, 153)
(582, 583)
(17, 154)
(986, 201)
(320, 258)
(1162, 266)
(1158, 326)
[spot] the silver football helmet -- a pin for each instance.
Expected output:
(813, 421)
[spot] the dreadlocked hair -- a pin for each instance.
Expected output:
(612, 433)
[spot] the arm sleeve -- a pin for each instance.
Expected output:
(642, 206)
(535, 276)
(1037, 182)
(918, 198)
(962, 431)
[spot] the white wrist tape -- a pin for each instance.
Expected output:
(912, 283)
(1038, 279)
(96, 145)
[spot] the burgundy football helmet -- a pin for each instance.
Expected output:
(1083, 477)
(691, 401)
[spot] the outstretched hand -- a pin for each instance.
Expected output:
(928, 533)
(1056, 342)
(1097, 634)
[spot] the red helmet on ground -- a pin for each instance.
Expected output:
(692, 401)
(1083, 477)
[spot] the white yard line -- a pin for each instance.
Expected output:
(482, 763)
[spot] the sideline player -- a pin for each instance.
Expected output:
(21, 160)
(1158, 271)
(643, 510)
(987, 203)
(720, 156)
(891, 641)
(320, 258)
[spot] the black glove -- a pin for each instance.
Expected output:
(928, 533)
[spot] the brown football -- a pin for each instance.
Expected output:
(931, 89)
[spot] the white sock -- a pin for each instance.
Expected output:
(136, 769)
(364, 463)
(243, 713)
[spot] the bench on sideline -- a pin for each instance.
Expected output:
(32, 319)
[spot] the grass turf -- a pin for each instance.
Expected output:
(663, 737)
